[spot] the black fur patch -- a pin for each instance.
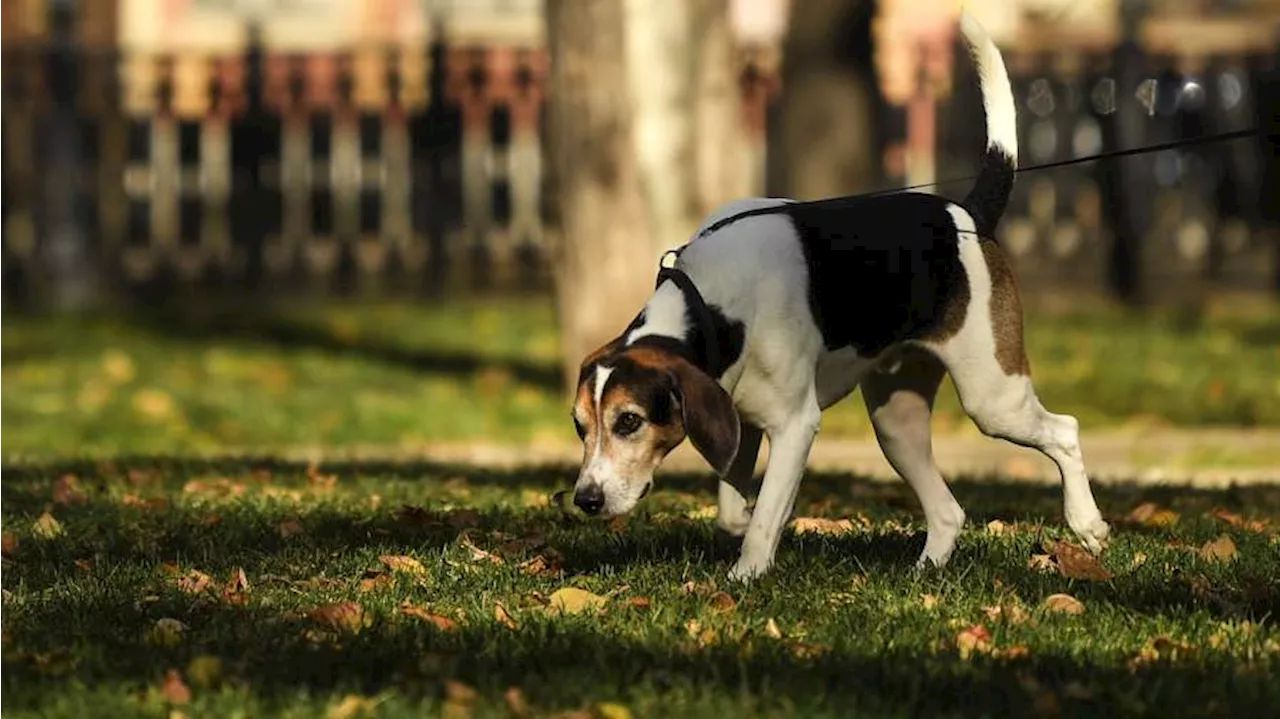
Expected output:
(652, 388)
(881, 270)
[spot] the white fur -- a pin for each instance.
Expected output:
(997, 95)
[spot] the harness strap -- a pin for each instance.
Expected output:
(701, 312)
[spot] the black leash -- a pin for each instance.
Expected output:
(693, 298)
(829, 201)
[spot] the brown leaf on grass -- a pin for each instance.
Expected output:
(1139, 559)
(440, 621)
(996, 528)
(194, 582)
(1011, 613)
(1077, 563)
(504, 617)
(66, 490)
(1222, 549)
(929, 601)
(84, 564)
(237, 590)
(806, 650)
(1017, 651)
(516, 703)
(702, 636)
(571, 600)
(401, 563)
(771, 629)
(704, 589)
(1235, 520)
(456, 691)
(639, 602)
(148, 504)
(289, 528)
(342, 616)
(215, 487)
(723, 603)
(820, 525)
(46, 527)
(173, 689)
(612, 710)
(8, 544)
(1063, 604)
(478, 554)
(973, 640)
(1161, 648)
(374, 580)
(541, 565)
(1042, 563)
(1149, 514)
(352, 706)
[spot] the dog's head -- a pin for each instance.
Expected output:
(633, 406)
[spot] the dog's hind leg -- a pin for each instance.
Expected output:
(900, 402)
(989, 368)
(733, 516)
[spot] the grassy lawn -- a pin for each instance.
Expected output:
(245, 588)
(402, 375)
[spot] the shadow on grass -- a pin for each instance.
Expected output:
(268, 329)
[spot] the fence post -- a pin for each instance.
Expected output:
(65, 260)
(1130, 209)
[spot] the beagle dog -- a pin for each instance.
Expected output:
(778, 309)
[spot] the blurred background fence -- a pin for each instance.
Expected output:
(186, 149)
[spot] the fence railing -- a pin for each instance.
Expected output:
(387, 171)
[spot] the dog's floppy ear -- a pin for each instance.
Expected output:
(710, 419)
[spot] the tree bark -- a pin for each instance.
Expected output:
(604, 260)
(823, 140)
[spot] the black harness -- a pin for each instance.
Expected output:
(701, 312)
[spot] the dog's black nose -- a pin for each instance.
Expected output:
(589, 499)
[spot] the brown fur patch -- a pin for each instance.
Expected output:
(953, 314)
(1006, 311)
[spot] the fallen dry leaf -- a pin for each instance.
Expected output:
(194, 582)
(440, 621)
(704, 637)
(456, 691)
(1042, 563)
(819, 525)
(504, 617)
(541, 565)
(771, 629)
(722, 603)
(996, 528)
(1235, 520)
(639, 602)
(8, 544)
(401, 563)
(929, 600)
(375, 581)
(148, 504)
(84, 564)
(1161, 648)
(1149, 514)
(46, 527)
(66, 490)
(352, 706)
(1139, 559)
(166, 632)
(973, 640)
(342, 616)
(1012, 613)
(1017, 651)
(516, 702)
(173, 689)
(571, 600)
(1063, 604)
(290, 528)
(237, 590)
(1222, 549)
(610, 710)
(806, 650)
(478, 554)
(1077, 563)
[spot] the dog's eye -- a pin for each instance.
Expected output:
(579, 428)
(627, 423)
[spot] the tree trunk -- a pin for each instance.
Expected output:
(823, 140)
(604, 261)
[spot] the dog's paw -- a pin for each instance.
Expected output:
(745, 571)
(1095, 535)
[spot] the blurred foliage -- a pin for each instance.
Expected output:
(402, 375)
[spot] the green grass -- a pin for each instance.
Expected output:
(401, 375)
(859, 632)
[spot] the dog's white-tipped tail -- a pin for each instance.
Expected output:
(990, 193)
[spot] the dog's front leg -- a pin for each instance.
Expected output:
(733, 516)
(788, 452)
